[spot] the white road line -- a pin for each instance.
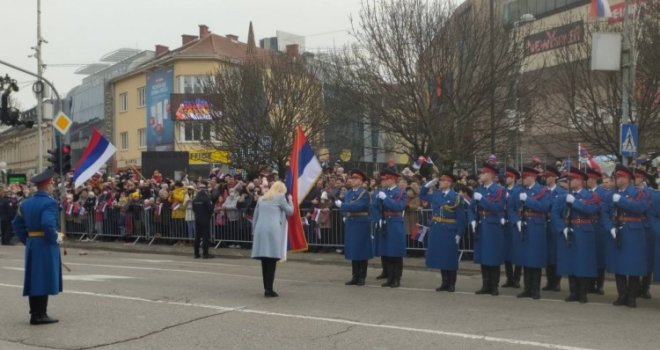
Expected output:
(242, 309)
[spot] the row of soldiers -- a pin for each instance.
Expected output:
(579, 232)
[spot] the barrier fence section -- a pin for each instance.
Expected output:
(231, 227)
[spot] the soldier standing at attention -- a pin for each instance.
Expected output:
(552, 278)
(513, 243)
(391, 201)
(357, 243)
(36, 226)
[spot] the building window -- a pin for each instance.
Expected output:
(142, 137)
(195, 131)
(192, 84)
(124, 140)
(123, 102)
(141, 97)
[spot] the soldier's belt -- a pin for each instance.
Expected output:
(355, 214)
(443, 220)
(392, 214)
(485, 213)
(581, 221)
(631, 219)
(534, 214)
(36, 234)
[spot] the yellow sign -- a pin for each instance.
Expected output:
(204, 157)
(62, 123)
(345, 155)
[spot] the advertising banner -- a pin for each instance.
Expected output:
(160, 126)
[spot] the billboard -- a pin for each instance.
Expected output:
(555, 38)
(160, 126)
(193, 107)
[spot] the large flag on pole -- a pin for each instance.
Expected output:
(98, 151)
(304, 171)
(600, 9)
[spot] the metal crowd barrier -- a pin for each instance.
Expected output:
(230, 227)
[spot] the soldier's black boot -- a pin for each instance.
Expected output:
(572, 290)
(583, 287)
(445, 281)
(356, 268)
(39, 306)
(383, 263)
(362, 272)
(485, 281)
(527, 284)
(398, 271)
(553, 281)
(645, 287)
(622, 290)
(556, 286)
(633, 290)
(600, 282)
(508, 269)
(516, 276)
(536, 283)
(494, 280)
(452, 281)
(387, 268)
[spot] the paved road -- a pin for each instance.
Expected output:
(116, 300)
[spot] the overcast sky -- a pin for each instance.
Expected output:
(81, 31)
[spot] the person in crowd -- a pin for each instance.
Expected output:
(202, 207)
(190, 213)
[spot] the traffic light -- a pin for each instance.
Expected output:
(66, 159)
(54, 159)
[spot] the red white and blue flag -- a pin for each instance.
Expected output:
(586, 158)
(600, 9)
(304, 171)
(98, 151)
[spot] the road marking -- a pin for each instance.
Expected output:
(93, 278)
(242, 309)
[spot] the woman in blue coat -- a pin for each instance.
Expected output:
(622, 218)
(577, 213)
(485, 217)
(357, 234)
(446, 229)
(36, 226)
(533, 207)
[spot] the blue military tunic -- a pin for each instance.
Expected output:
(533, 214)
(654, 216)
(552, 236)
(36, 226)
(577, 256)
(628, 257)
(648, 229)
(601, 233)
(357, 233)
(448, 221)
(512, 243)
(488, 213)
(391, 241)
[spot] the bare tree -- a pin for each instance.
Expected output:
(423, 74)
(262, 101)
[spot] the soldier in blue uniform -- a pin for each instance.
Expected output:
(532, 209)
(622, 216)
(36, 226)
(654, 216)
(391, 201)
(574, 219)
(446, 228)
(553, 280)
(512, 244)
(485, 215)
(357, 238)
(640, 183)
(594, 179)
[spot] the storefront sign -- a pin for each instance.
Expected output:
(555, 38)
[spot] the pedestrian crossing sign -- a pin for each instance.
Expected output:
(629, 140)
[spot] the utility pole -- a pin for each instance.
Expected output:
(492, 77)
(625, 71)
(40, 94)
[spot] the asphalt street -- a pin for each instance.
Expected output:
(119, 300)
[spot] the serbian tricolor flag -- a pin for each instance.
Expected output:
(304, 171)
(600, 9)
(98, 151)
(586, 158)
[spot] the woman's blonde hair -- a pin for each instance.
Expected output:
(275, 189)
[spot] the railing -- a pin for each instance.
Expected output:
(323, 228)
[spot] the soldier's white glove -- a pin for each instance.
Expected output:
(431, 183)
(477, 196)
(519, 224)
(382, 195)
(503, 221)
(338, 203)
(523, 196)
(566, 233)
(458, 239)
(380, 223)
(344, 219)
(570, 198)
(613, 232)
(616, 197)
(59, 240)
(474, 225)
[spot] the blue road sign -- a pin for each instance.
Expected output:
(629, 140)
